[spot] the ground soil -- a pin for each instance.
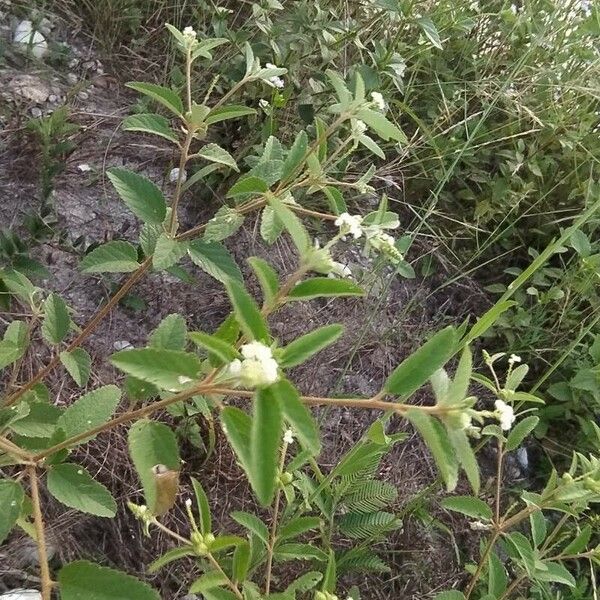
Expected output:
(381, 329)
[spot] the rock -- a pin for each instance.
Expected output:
(84, 168)
(31, 88)
(72, 79)
(46, 26)
(83, 95)
(22, 595)
(122, 345)
(36, 112)
(53, 98)
(30, 40)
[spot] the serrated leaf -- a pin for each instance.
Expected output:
(83, 580)
(555, 572)
(295, 551)
(39, 422)
(292, 224)
(92, 409)
(113, 257)
(225, 223)
(152, 443)
(253, 524)
(233, 111)
(246, 312)
(302, 348)
(150, 123)
(73, 486)
(367, 525)
(208, 581)
(520, 431)
(438, 443)
(468, 505)
(415, 370)
(270, 226)
(430, 30)
(267, 277)
(11, 499)
(265, 442)
(78, 364)
(214, 153)
(56, 319)
(247, 185)
(171, 370)
(297, 416)
(167, 252)
(14, 344)
(241, 561)
(295, 156)
(140, 195)
(170, 333)
(161, 94)
(497, 577)
(305, 582)
(317, 287)
(215, 260)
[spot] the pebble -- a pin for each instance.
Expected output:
(29, 40)
(83, 95)
(84, 168)
(123, 345)
(36, 112)
(21, 595)
(72, 79)
(53, 98)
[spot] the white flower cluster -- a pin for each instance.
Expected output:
(288, 436)
(386, 244)
(378, 100)
(257, 368)
(505, 414)
(514, 359)
(358, 128)
(275, 81)
(189, 36)
(350, 224)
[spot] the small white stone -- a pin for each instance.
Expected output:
(72, 78)
(30, 40)
(84, 168)
(36, 112)
(83, 95)
(174, 175)
(123, 345)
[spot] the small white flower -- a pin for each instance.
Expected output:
(190, 34)
(276, 81)
(256, 350)
(505, 414)
(288, 436)
(378, 100)
(513, 9)
(174, 175)
(350, 224)
(358, 128)
(188, 502)
(479, 526)
(257, 368)
(235, 367)
(386, 244)
(514, 358)
(182, 379)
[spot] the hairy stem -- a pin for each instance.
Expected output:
(40, 535)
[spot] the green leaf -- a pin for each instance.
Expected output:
(223, 542)
(216, 154)
(298, 526)
(83, 580)
(468, 505)
(298, 416)
(295, 156)
(270, 226)
(316, 287)
(150, 444)
(371, 145)
(539, 528)
(14, 344)
(73, 486)
(267, 277)
(292, 223)
(265, 441)
(450, 595)
(225, 223)
(520, 431)
(302, 348)
(150, 123)
(140, 195)
(341, 90)
(246, 312)
(497, 577)
(513, 381)
(438, 443)
(170, 370)
(488, 319)
(241, 561)
(161, 94)
(330, 577)
(203, 507)
(465, 456)
(39, 422)
(415, 370)
(518, 546)
(208, 581)
(91, 410)
(167, 252)
(384, 128)
(216, 347)
(214, 258)
(253, 524)
(247, 184)
(297, 551)
(78, 364)
(555, 572)
(233, 111)
(430, 31)
(459, 387)
(170, 333)
(11, 499)
(169, 557)
(237, 426)
(56, 319)
(113, 257)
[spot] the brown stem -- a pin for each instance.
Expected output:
(183, 159)
(499, 479)
(86, 331)
(40, 535)
(484, 558)
(15, 451)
